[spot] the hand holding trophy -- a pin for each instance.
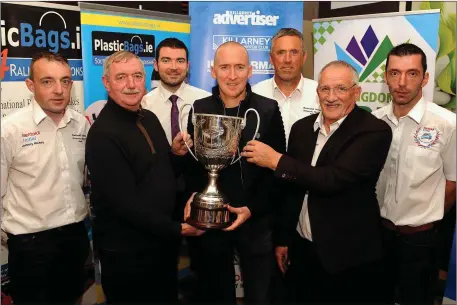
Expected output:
(216, 140)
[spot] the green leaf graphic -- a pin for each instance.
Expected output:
(447, 43)
(446, 80)
(451, 105)
(425, 6)
(450, 22)
(453, 76)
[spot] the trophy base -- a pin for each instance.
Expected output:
(207, 226)
(205, 218)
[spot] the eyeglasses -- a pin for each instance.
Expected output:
(50, 82)
(339, 91)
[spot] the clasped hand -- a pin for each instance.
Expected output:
(261, 154)
(242, 214)
(178, 146)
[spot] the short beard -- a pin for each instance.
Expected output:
(408, 102)
(177, 84)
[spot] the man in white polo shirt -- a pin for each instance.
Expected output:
(296, 95)
(172, 93)
(42, 174)
(417, 185)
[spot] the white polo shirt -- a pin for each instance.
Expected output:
(411, 186)
(158, 101)
(302, 102)
(304, 226)
(42, 170)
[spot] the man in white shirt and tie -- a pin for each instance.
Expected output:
(296, 95)
(172, 93)
(165, 101)
(42, 174)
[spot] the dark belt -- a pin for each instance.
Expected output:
(406, 229)
(77, 226)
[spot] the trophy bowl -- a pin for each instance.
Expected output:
(216, 140)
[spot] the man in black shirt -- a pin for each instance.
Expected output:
(250, 189)
(133, 191)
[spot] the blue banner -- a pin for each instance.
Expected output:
(252, 24)
(105, 33)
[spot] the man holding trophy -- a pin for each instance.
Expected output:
(221, 125)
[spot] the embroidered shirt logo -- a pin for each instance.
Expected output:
(79, 137)
(311, 110)
(426, 137)
(30, 138)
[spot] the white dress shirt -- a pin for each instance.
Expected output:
(42, 170)
(302, 102)
(158, 101)
(411, 186)
(304, 226)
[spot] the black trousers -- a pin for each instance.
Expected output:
(139, 277)
(212, 256)
(48, 267)
(411, 264)
(308, 282)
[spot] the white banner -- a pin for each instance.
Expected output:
(365, 41)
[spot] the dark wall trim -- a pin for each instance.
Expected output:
(365, 9)
(409, 5)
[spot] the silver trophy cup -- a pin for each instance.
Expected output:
(216, 140)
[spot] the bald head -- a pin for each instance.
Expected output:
(229, 47)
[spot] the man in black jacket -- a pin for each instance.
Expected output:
(250, 189)
(330, 237)
(133, 191)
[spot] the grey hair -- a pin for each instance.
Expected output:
(288, 32)
(342, 63)
(120, 56)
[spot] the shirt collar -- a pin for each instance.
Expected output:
(165, 94)
(39, 115)
(299, 86)
(319, 123)
(416, 113)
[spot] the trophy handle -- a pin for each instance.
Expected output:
(193, 122)
(243, 124)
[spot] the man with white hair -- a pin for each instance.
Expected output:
(329, 236)
(132, 172)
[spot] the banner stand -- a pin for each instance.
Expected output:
(106, 29)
